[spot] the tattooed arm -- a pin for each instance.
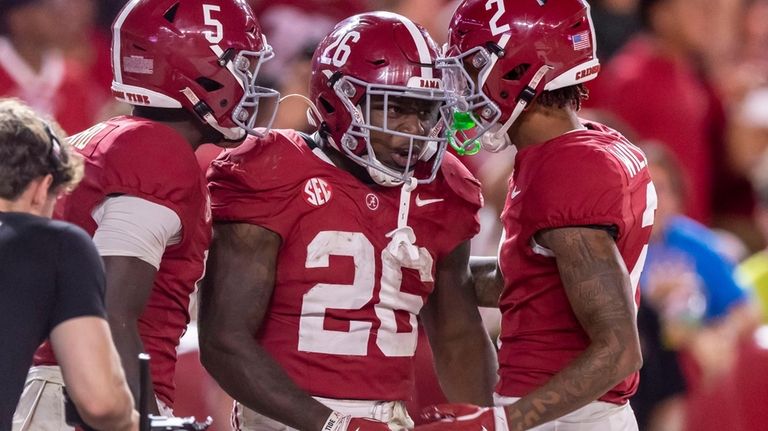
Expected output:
(597, 284)
(487, 280)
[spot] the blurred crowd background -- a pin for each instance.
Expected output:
(685, 79)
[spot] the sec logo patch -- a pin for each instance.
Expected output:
(317, 192)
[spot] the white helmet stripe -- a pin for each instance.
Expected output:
(117, 67)
(218, 52)
(591, 30)
(421, 46)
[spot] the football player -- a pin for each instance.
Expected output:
(327, 247)
(189, 70)
(577, 218)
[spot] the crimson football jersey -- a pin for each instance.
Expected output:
(583, 178)
(142, 158)
(342, 317)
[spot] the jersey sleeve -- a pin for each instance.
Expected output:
(136, 227)
(463, 221)
(154, 163)
(80, 280)
(574, 187)
(253, 182)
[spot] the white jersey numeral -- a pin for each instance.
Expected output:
(214, 37)
(391, 342)
(651, 202)
(494, 21)
(314, 338)
(341, 45)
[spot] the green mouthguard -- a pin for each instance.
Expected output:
(463, 121)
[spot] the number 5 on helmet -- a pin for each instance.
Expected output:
(464, 417)
(198, 55)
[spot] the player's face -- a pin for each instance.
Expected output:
(404, 115)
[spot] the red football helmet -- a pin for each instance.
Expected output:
(377, 57)
(518, 49)
(199, 55)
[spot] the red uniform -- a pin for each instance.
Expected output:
(61, 88)
(342, 317)
(591, 177)
(137, 157)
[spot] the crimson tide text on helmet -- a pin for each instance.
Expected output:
(199, 55)
(377, 56)
(520, 48)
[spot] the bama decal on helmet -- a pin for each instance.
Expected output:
(428, 83)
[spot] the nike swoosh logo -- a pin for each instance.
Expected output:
(515, 192)
(422, 202)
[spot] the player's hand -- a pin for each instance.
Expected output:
(463, 417)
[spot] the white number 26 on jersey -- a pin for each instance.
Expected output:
(314, 338)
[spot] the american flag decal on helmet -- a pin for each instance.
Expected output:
(581, 40)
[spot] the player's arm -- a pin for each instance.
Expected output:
(93, 374)
(487, 280)
(598, 288)
(132, 236)
(234, 298)
(129, 284)
(464, 356)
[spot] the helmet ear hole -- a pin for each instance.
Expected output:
(209, 84)
(516, 73)
(326, 105)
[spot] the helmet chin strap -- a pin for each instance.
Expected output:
(402, 246)
(313, 114)
(381, 178)
(497, 139)
(201, 109)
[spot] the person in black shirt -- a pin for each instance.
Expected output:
(51, 279)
